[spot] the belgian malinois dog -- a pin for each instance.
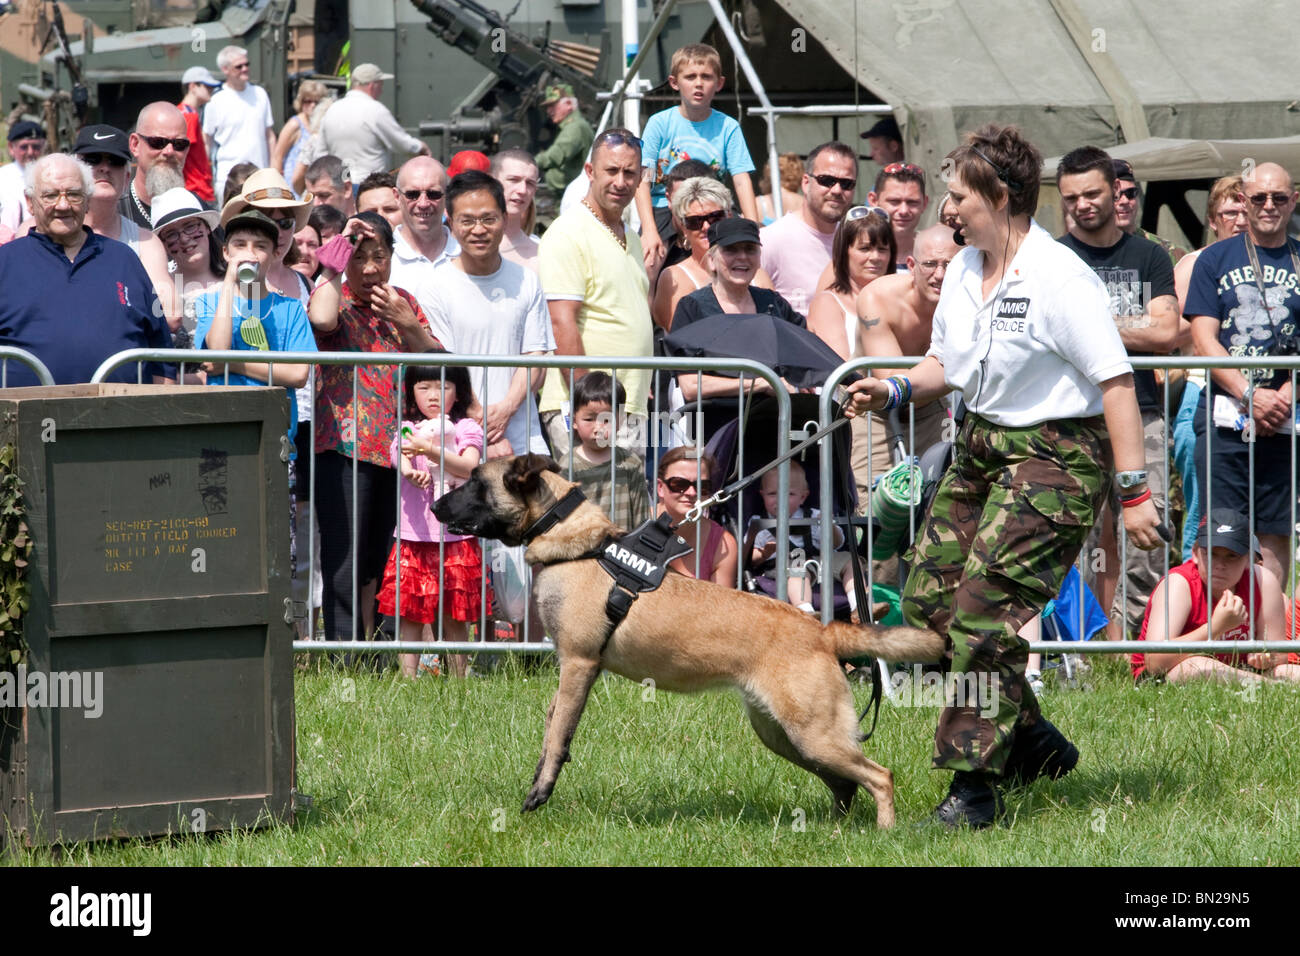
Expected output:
(687, 635)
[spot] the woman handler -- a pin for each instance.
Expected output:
(1023, 331)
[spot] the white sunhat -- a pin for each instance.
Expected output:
(177, 204)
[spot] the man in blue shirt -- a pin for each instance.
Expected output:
(73, 298)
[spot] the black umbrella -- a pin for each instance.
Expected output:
(796, 354)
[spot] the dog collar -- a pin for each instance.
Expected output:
(555, 514)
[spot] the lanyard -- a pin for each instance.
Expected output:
(1254, 375)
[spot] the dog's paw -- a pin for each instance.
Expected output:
(534, 799)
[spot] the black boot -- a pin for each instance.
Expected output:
(1039, 750)
(972, 801)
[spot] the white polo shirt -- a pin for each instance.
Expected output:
(1035, 350)
(412, 268)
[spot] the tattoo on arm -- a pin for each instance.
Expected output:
(870, 323)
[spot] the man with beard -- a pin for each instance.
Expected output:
(797, 247)
(1140, 279)
(159, 146)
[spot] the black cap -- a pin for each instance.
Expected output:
(26, 129)
(728, 232)
(885, 127)
(102, 139)
(1226, 528)
(1123, 170)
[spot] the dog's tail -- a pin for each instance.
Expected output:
(898, 643)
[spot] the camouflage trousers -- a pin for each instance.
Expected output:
(1007, 521)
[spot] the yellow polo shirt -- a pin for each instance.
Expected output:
(580, 260)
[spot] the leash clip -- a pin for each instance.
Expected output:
(697, 510)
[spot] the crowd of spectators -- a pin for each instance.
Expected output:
(364, 241)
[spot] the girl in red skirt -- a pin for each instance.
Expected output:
(436, 447)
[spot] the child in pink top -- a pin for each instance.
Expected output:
(436, 448)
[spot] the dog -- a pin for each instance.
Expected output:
(685, 636)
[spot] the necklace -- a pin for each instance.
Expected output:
(138, 204)
(621, 240)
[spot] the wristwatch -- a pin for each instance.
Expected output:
(1130, 479)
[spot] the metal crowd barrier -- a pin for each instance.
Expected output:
(747, 372)
(865, 364)
(8, 352)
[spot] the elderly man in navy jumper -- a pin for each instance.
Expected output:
(73, 298)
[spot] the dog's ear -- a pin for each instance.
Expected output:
(524, 474)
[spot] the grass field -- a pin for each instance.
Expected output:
(434, 772)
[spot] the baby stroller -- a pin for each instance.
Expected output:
(744, 514)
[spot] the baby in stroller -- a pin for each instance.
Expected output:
(805, 535)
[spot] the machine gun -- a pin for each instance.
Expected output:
(501, 111)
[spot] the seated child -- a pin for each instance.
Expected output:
(803, 538)
(1241, 585)
(593, 398)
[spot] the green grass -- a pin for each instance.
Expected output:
(434, 772)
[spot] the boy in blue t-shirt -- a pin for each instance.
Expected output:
(693, 130)
(245, 317)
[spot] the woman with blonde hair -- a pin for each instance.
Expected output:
(697, 204)
(296, 132)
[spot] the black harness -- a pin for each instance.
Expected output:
(637, 561)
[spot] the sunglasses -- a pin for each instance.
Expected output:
(696, 223)
(617, 137)
(895, 168)
(826, 182)
(1130, 193)
(181, 144)
(94, 159)
(288, 223)
(1261, 199)
(413, 195)
(679, 486)
(862, 212)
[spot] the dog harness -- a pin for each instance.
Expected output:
(637, 562)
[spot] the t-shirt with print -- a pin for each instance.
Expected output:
(499, 314)
(670, 138)
(1134, 271)
(283, 321)
(1223, 285)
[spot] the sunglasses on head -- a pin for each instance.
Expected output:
(894, 168)
(696, 223)
(94, 159)
(617, 137)
(413, 195)
(1130, 193)
(826, 182)
(862, 212)
(1260, 199)
(180, 144)
(679, 486)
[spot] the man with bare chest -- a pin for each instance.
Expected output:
(894, 318)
